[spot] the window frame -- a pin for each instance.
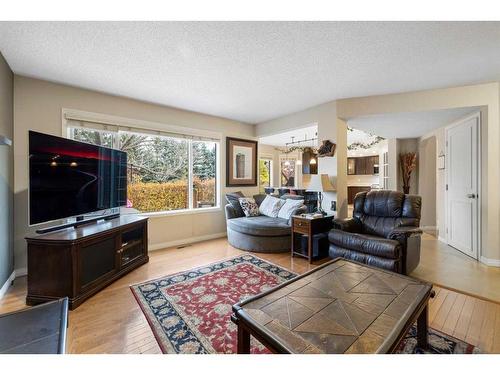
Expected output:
(136, 126)
(271, 171)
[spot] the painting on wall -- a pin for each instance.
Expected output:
(241, 162)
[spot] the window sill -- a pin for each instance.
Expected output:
(195, 211)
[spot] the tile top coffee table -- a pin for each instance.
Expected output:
(339, 307)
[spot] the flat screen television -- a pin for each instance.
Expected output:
(70, 178)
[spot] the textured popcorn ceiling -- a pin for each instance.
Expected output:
(251, 71)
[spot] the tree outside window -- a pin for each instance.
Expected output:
(159, 169)
(264, 174)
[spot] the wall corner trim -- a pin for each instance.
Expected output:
(490, 262)
(6, 285)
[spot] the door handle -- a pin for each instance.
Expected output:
(472, 196)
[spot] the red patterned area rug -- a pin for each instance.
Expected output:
(189, 312)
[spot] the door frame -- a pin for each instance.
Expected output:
(477, 116)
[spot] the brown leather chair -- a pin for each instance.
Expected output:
(383, 232)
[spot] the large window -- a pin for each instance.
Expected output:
(165, 172)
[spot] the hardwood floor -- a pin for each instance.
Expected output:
(443, 265)
(112, 322)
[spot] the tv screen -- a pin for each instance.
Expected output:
(70, 178)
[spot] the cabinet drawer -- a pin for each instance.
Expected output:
(301, 226)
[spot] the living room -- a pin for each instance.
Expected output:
(154, 206)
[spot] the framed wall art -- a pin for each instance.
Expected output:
(241, 162)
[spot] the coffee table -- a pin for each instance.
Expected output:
(339, 307)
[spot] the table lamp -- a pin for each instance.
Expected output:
(320, 183)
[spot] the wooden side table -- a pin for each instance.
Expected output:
(309, 227)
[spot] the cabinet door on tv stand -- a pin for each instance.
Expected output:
(97, 261)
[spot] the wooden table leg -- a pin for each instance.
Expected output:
(422, 329)
(243, 340)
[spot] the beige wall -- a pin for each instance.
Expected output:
(427, 184)
(329, 127)
(38, 106)
(6, 173)
(393, 162)
(483, 95)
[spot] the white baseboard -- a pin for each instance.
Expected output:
(428, 227)
(21, 271)
(490, 262)
(7, 283)
(188, 241)
(443, 240)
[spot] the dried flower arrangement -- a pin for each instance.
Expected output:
(408, 162)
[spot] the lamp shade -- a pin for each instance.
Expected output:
(5, 141)
(319, 183)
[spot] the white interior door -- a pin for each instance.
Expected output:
(462, 185)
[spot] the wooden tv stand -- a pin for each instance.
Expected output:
(78, 262)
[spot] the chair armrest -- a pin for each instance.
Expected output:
(409, 238)
(403, 233)
(230, 212)
(347, 225)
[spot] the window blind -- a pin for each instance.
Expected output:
(109, 127)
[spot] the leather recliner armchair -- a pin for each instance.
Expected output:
(383, 232)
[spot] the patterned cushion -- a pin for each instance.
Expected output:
(249, 207)
(270, 206)
(290, 206)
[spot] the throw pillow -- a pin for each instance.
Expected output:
(249, 207)
(259, 198)
(270, 206)
(290, 206)
(232, 199)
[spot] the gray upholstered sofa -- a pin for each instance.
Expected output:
(259, 233)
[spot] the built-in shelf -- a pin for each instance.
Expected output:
(4, 141)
